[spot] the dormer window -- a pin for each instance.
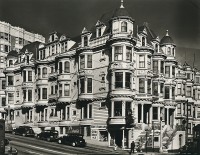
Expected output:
(85, 41)
(156, 47)
(27, 59)
(143, 41)
(173, 51)
(124, 27)
(99, 32)
(52, 38)
(10, 62)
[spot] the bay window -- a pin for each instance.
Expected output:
(141, 85)
(89, 61)
(155, 66)
(67, 67)
(82, 85)
(29, 75)
(89, 85)
(118, 108)
(166, 92)
(82, 61)
(44, 93)
(167, 71)
(66, 90)
(141, 61)
(44, 72)
(118, 53)
(128, 54)
(128, 80)
(119, 80)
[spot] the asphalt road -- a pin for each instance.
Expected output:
(32, 146)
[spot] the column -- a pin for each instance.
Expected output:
(123, 138)
(112, 108)
(136, 112)
(159, 114)
(123, 108)
(142, 113)
(150, 115)
(167, 116)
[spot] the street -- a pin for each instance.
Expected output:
(29, 145)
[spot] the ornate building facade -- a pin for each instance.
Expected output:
(97, 82)
(12, 38)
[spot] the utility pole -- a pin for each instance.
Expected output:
(186, 134)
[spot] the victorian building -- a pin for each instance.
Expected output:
(12, 38)
(113, 83)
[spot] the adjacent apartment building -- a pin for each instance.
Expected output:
(12, 38)
(114, 83)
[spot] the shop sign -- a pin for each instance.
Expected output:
(99, 126)
(73, 129)
(94, 134)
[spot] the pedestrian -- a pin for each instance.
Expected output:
(132, 147)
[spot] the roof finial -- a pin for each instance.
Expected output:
(167, 33)
(122, 6)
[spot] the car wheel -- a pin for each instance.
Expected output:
(48, 139)
(13, 132)
(59, 141)
(38, 137)
(73, 144)
(24, 135)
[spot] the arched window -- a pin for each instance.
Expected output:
(124, 27)
(169, 51)
(143, 41)
(67, 67)
(44, 72)
(85, 41)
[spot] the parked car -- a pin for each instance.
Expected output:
(24, 131)
(49, 135)
(9, 150)
(72, 139)
(188, 148)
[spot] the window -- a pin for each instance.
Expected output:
(24, 76)
(85, 41)
(166, 92)
(89, 61)
(6, 48)
(173, 92)
(27, 59)
(39, 94)
(60, 90)
(66, 90)
(39, 71)
(118, 53)
(156, 47)
(155, 113)
(3, 84)
(60, 68)
(149, 86)
(197, 79)
(188, 91)
(74, 113)
(67, 67)
(128, 80)
(155, 66)
(52, 69)
(1, 58)
(90, 110)
(189, 128)
(61, 130)
(118, 108)
(128, 108)
(29, 95)
(44, 93)
(119, 80)
(102, 104)
(161, 87)
(82, 61)
(3, 103)
(99, 32)
(128, 54)
(179, 108)
(10, 97)
(68, 113)
(169, 51)
(162, 67)
(173, 71)
(178, 89)
(86, 111)
(124, 26)
(143, 41)
(141, 85)
(44, 72)
(52, 88)
(89, 85)
(82, 84)
(167, 71)
(173, 51)
(29, 75)
(141, 61)
(10, 80)
(188, 75)
(10, 63)
(155, 88)
(149, 62)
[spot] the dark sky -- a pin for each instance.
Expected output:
(180, 17)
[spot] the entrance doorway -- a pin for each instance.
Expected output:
(118, 137)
